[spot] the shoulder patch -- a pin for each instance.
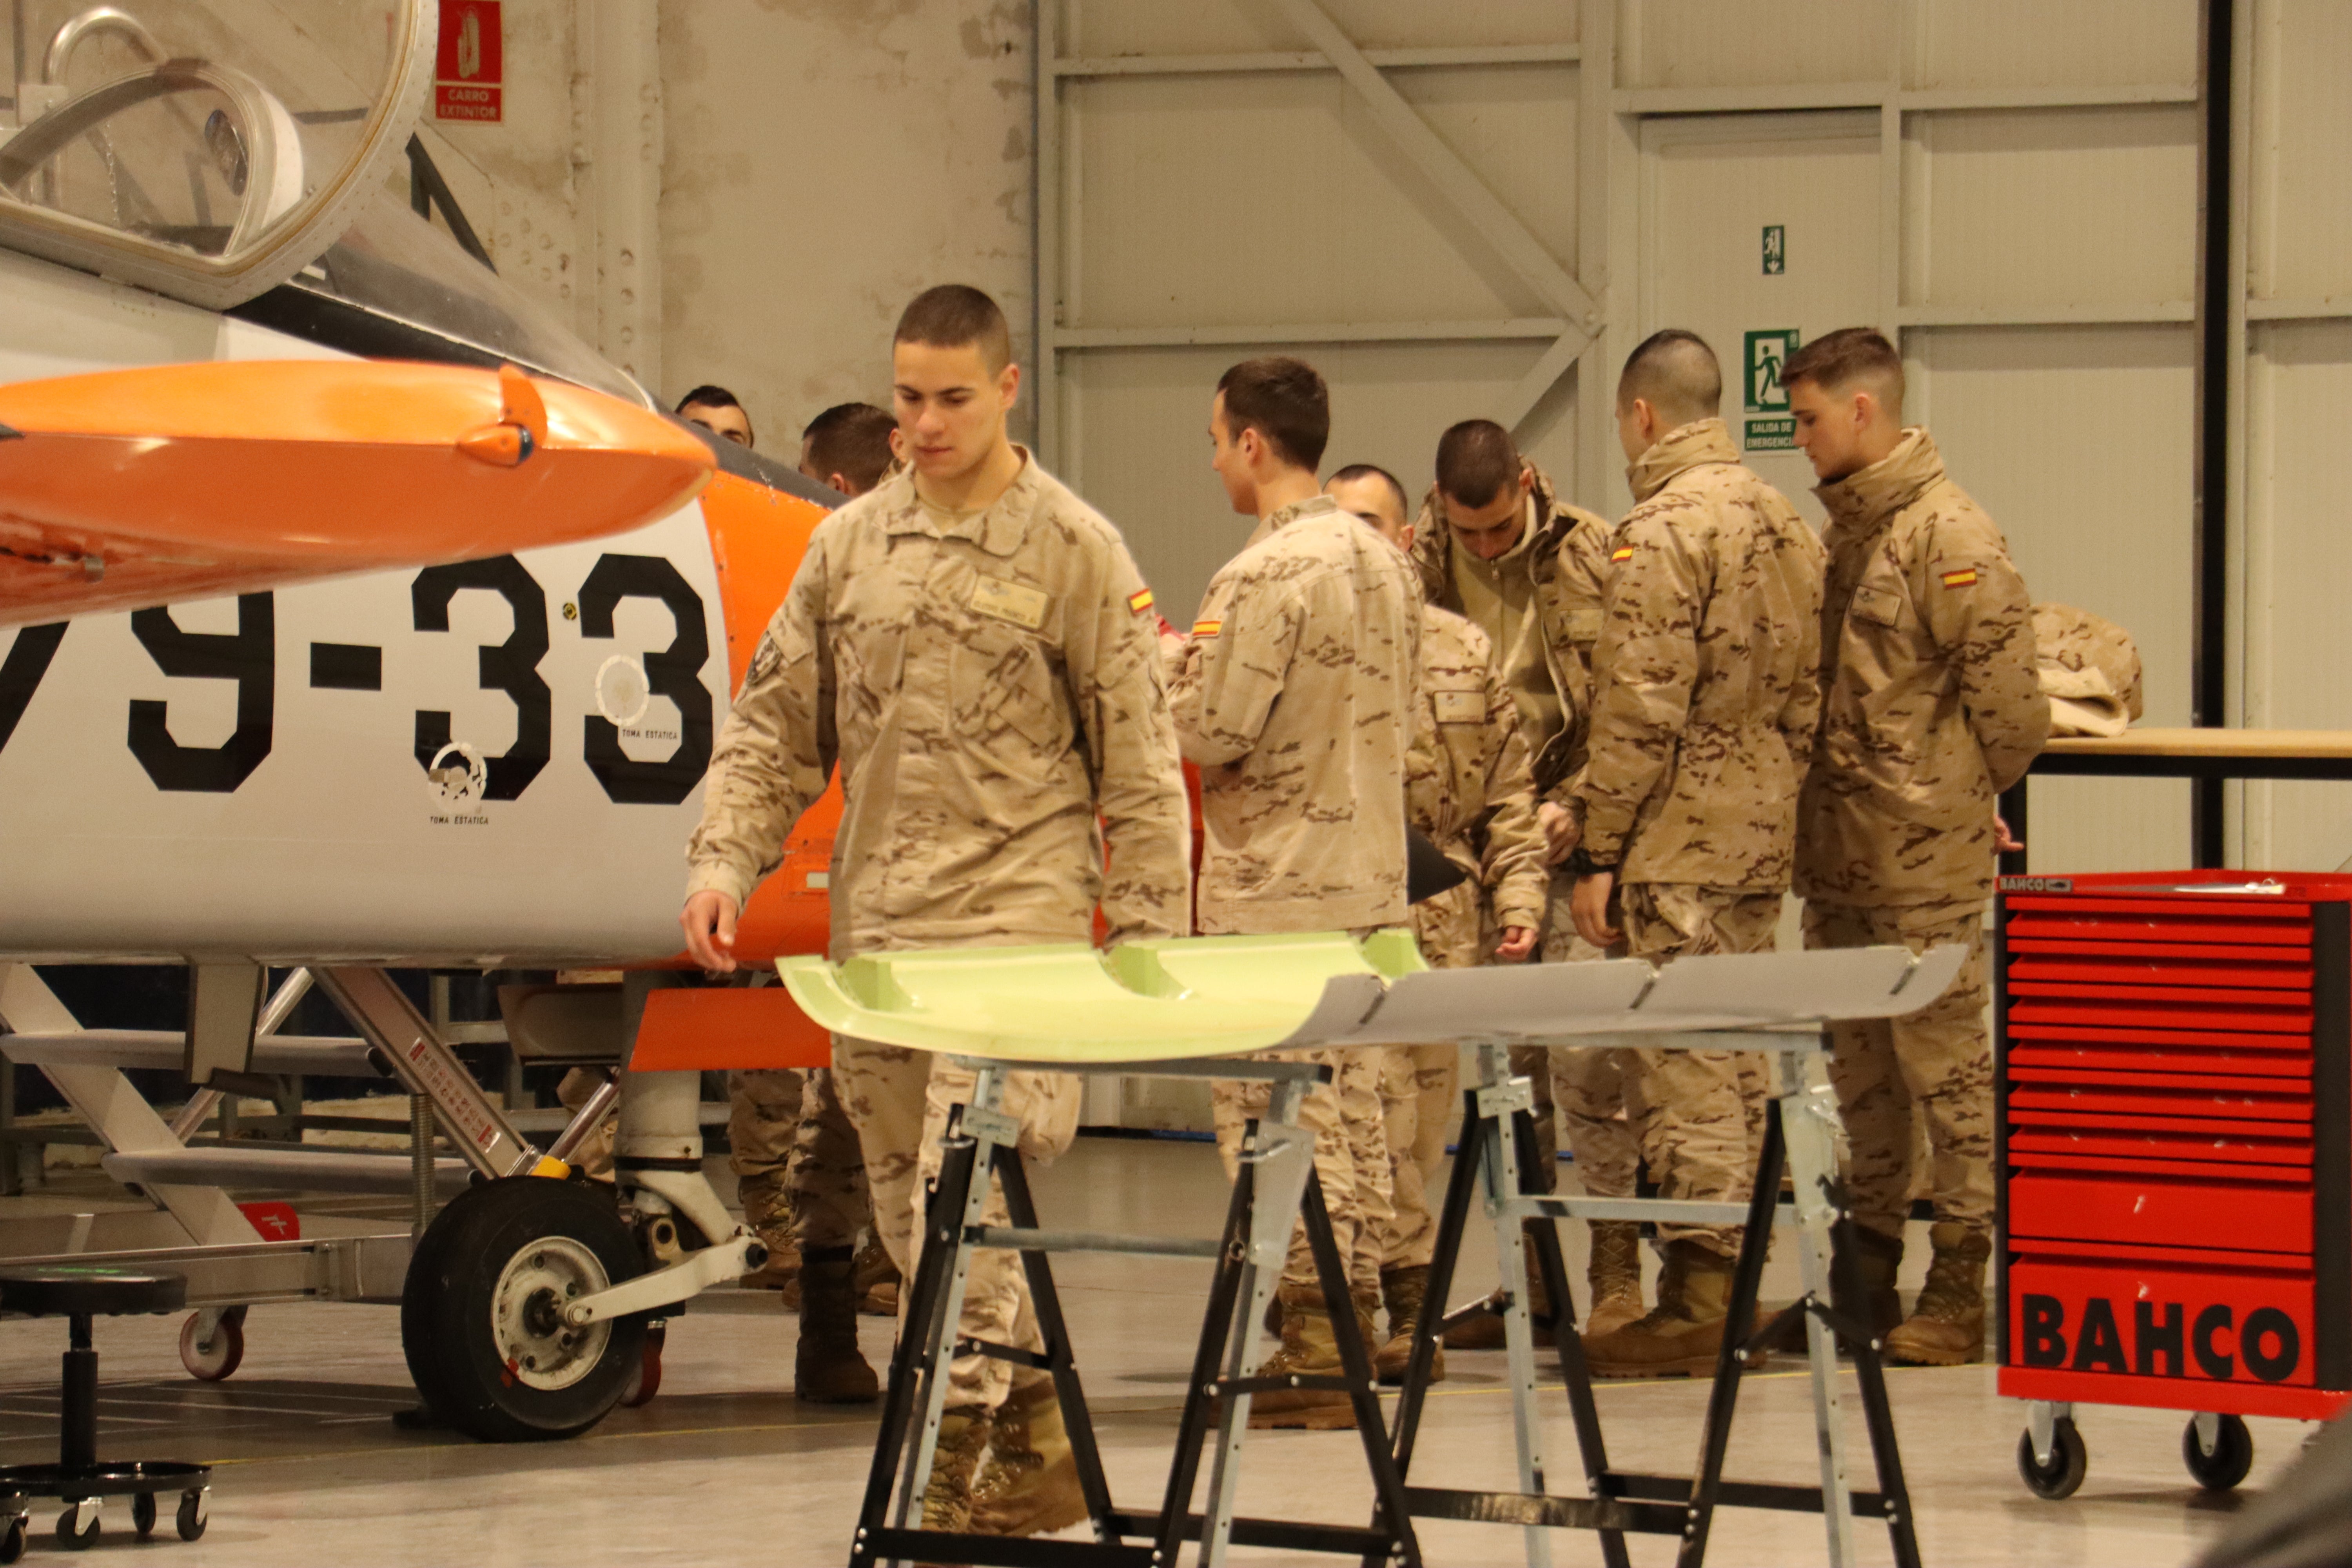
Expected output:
(1207, 629)
(1960, 579)
(1623, 553)
(1139, 601)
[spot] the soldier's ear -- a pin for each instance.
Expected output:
(1405, 541)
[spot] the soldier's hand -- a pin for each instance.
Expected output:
(1517, 943)
(708, 921)
(1561, 830)
(2005, 841)
(1589, 904)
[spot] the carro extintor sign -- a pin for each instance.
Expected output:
(469, 71)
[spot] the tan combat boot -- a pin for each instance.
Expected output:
(1946, 1324)
(1614, 1273)
(1485, 1332)
(783, 1270)
(1308, 1350)
(1029, 1485)
(1404, 1289)
(827, 1368)
(1679, 1337)
(877, 1282)
(947, 1493)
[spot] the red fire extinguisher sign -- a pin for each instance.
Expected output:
(469, 73)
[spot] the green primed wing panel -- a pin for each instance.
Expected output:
(1071, 1003)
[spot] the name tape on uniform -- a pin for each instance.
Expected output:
(1015, 602)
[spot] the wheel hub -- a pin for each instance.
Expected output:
(537, 1347)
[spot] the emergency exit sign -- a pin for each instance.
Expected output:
(1776, 249)
(1766, 352)
(469, 67)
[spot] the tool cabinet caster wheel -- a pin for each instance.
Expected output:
(142, 1514)
(647, 1383)
(212, 1362)
(77, 1525)
(12, 1540)
(194, 1515)
(2069, 1462)
(2233, 1455)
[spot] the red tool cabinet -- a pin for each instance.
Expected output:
(2174, 1116)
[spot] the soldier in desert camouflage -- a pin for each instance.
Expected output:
(1468, 789)
(1293, 694)
(1495, 543)
(1930, 708)
(972, 643)
(1704, 698)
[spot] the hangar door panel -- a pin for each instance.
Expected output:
(1758, 232)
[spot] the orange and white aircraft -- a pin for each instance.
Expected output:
(362, 615)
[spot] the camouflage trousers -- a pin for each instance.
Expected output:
(1937, 1058)
(1590, 1097)
(1705, 1115)
(797, 1165)
(1352, 1158)
(899, 1101)
(1418, 1088)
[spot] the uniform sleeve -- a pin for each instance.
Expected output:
(1974, 604)
(1644, 668)
(1233, 666)
(1515, 874)
(1801, 716)
(1581, 571)
(1112, 661)
(776, 750)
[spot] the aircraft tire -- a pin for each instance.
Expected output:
(480, 1313)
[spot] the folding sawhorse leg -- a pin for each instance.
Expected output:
(1276, 1188)
(1802, 1134)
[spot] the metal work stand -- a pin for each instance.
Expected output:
(1276, 1188)
(1802, 1133)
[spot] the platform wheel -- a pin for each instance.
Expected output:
(142, 1514)
(212, 1362)
(2069, 1462)
(647, 1383)
(12, 1540)
(194, 1515)
(2231, 1457)
(77, 1525)
(481, 1313)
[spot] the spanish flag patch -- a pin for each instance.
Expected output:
(1207, 629)
(1139, 601)
(1623, 553)
(1959, 579)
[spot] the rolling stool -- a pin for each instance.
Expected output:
(78, 1478)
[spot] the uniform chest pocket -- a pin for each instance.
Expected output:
(1005, 698)
(1458, 704)
(1879, 606)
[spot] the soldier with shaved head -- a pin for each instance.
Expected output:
(1704, 693)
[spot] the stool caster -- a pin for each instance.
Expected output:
(142, 1514)
(195, 1512)
(77, 1525)
(12, 1539)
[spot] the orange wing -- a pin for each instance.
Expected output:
(130, 488)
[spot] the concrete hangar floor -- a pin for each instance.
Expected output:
(725, 1467)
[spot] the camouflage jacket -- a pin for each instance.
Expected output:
(1295, 695)
(2089, 671)
(1930, 703)
(1703, 680)
(1568, 561)
(1467, 763)
(990, 687)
